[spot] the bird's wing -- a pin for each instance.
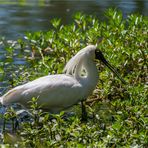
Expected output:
(56, 90)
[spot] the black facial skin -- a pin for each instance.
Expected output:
(101, 57)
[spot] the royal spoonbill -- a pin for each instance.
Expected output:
(61, 91)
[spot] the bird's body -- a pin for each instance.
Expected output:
(61, 91)
(54, 92)
(49, 90)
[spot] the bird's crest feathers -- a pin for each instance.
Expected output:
(75, 65)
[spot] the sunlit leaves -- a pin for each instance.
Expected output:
(56, 22)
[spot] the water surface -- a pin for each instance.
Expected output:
(33, 15)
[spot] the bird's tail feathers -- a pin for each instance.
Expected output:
(74, 65)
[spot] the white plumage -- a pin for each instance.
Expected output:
(58, 92)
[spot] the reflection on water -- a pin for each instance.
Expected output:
(18, 17)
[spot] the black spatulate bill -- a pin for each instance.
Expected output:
(101, 57)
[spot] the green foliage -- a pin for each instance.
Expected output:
(119, 112)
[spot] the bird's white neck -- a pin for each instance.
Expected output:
(91, 78)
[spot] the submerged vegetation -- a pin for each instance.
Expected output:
(118, 113)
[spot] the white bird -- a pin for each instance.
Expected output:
(61, 91)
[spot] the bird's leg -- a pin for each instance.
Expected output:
(84, 113)
(4, 125)
(15, 124)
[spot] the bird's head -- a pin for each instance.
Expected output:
(89, 52)
(95, 53)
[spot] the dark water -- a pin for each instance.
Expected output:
(32, 15)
